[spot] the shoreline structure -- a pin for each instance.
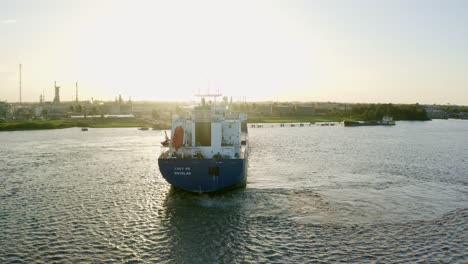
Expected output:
(158, 115)
(15, 125)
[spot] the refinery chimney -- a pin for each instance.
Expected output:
(76, 92)
(57, 93)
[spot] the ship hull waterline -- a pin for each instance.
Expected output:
(204, 175)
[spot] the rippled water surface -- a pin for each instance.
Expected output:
(314, 194)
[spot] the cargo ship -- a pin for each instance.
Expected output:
(208, 148)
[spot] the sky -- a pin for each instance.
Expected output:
(394, 51)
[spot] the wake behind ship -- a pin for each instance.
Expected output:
(208, 149)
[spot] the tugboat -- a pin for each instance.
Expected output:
(208, 149)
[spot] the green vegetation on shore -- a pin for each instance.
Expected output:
(398, 112)
(455, 109)
(358, 112)
(69, 122)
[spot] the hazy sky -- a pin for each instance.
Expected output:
(404, 51)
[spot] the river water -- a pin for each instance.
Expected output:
(314, 194)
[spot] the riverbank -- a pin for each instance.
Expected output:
(79, 122)
(136, 122)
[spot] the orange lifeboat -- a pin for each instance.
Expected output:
(178, 139)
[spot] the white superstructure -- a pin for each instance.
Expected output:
(211, 131)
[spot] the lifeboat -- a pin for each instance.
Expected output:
(178, 138)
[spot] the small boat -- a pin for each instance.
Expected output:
(84, 129)
(143, 128)
(166, 142)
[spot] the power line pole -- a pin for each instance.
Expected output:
(20, 95)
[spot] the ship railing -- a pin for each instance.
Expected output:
(183, 152)
(165, 154)
(168, 154)
(195, 152)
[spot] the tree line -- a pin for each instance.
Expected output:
(398, 112)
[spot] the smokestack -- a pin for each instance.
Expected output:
(57, 93)
(76, 91)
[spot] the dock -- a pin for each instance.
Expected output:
(303, 124)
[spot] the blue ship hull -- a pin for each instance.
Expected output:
(204, 175)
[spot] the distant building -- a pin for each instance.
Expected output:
(283, 109)
(116, 108)
(38, 111)
(5, 110)
(303, 110)
(464, 115)
(332, 106)
(22, 112)
(56, 111)
(436, 113)
(264, 109)
(142, 110)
